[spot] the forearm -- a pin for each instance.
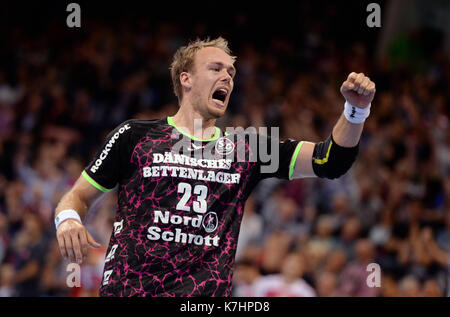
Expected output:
(72, 200)
(73, 238)
(78, 198)
(347, 134)
(333, 157)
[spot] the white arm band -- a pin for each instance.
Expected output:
(355, 114)
(66, 214)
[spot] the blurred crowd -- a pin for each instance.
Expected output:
(60, 94)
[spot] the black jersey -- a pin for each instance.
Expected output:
(178, 215)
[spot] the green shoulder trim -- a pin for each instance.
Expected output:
(216, 135)
(294, 159)
(94, 183)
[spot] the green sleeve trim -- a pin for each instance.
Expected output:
(94, 183)
(216, 135)
(294, 159)
(325, 159)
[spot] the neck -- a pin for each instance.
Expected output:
(194, 123)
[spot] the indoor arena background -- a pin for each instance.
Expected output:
(63, 89)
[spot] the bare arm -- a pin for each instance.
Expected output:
(73, 238)
(359, 91)
(79, 197)
(347, 134)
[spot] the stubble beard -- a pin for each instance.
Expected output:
(207, 110)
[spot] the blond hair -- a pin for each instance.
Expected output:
(183, 60)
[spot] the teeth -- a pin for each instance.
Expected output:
(223, 90)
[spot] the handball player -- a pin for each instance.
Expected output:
(178, 216)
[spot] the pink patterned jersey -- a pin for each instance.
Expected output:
(180, 205)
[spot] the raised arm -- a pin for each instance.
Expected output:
(333, 157)
(73, 237)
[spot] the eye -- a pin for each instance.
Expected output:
(216, 69)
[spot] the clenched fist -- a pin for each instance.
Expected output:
(73, 239)
(358, 90)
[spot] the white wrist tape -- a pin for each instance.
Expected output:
(66, 214)
(355, 114)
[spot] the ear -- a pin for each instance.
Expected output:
(186, 80)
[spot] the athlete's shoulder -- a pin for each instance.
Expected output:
(155, 128)
(139, 123)
(139, 126)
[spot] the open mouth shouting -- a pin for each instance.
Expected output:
(220, 95)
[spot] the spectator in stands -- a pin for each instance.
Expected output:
(409, 286)
(353, 280)
(29, 246)
(288, 283)
(327, 283)
(245, 275)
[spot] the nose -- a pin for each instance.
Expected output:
(227, 77)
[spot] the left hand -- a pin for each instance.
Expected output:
(358, 90)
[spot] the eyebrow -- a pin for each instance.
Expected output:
(232, 68)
